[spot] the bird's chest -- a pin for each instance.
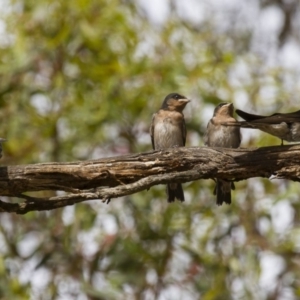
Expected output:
(224, 136)
(168, 133)
(167, 126)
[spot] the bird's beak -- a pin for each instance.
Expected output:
(184, 100)
(229, 105)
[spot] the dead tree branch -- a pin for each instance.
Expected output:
(124, 175)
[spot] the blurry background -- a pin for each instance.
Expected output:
(80, 80)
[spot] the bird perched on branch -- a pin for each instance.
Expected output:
(284, 126)
(219, 135)
(168, 130)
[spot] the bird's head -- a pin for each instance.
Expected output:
(175, 101)
(224, 109)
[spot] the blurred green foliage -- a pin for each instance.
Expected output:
(80, 80)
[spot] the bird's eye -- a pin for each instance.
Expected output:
(176, 97)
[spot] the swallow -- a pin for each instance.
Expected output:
(284, 126)
(168, 130)
(219, 135)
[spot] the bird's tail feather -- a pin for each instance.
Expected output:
(174, 190)
(223, 192)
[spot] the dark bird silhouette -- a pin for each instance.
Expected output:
(168, 130)
(284, 126)
(219, 135)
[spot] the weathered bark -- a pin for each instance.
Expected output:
(119, 176)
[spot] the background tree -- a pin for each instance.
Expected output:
(80, 80)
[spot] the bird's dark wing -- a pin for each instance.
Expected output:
(152, 130)
(273, 119)
(248, 117)
(209, 129)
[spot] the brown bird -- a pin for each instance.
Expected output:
(218, 135)
(168, 130)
